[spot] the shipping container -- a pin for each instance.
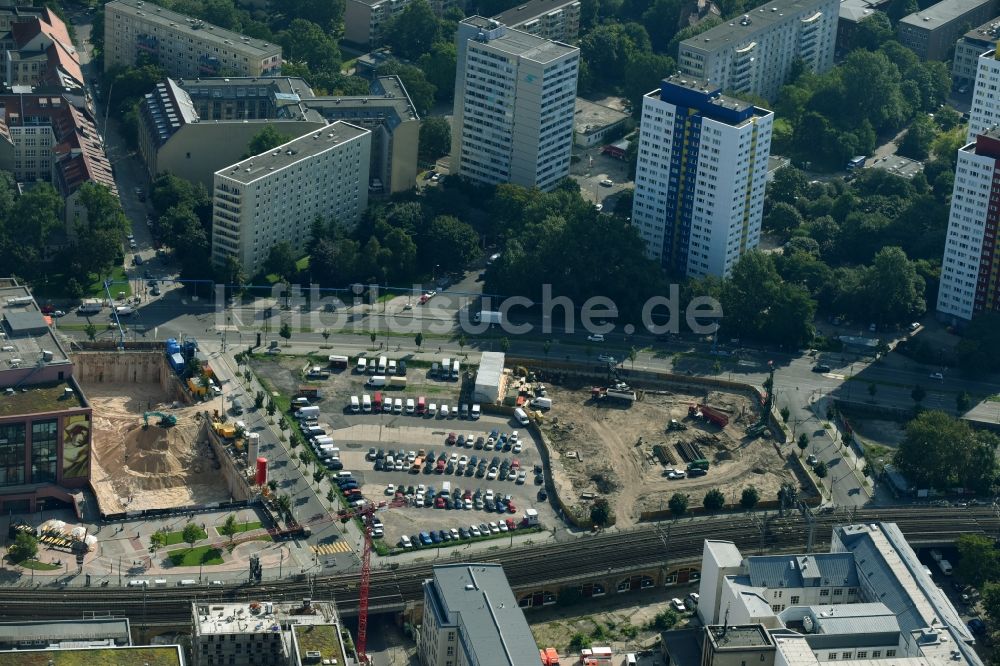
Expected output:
(338, 362)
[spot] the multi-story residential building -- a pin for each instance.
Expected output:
(365, 21)
(46, 138)
(931, 32)
(193, 128)
(754, 53)
(276, 196)
(984, 112)
(700, 178)
(471, 617)
(970, 270)
(869, 600)
(39, 52)
(182, 45)
(558, 20)
(267, 634)
(45, 419)
(515, 96)
(968, 48)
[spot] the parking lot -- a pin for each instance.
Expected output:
(360, 437)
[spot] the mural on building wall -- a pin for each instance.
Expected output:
(76, 447)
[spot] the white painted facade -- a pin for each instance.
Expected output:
(984, 112)
(515, 96)
(963, 248)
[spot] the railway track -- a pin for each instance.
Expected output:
(599, 555)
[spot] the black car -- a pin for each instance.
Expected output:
(371, 453)
(696, 472)
(335, 465)
(460, 441)
(542, 495)
(379, 465)
(401, 368)
(539, 480)
(821, 367)
(463, 533)
(479, 443)
(445, 536)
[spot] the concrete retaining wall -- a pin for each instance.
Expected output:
(129, 367)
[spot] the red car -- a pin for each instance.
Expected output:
(451, 439)
(511, 508)
(440, 467)
(439, 503)
(511, 525)
(515, 463)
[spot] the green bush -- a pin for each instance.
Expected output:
(579, 642)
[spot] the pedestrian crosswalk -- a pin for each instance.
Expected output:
(332, 548)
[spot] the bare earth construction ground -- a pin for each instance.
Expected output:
(136, 469)
(607, 450)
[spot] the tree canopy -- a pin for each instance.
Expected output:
(942, 452)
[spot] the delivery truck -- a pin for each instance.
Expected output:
(488, 317)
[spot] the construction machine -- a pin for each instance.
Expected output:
(166, 420)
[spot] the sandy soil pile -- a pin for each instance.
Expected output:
(606, 450)
(136, 468)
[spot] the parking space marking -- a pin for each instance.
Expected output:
(332, 548)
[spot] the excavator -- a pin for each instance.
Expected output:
(166, 420)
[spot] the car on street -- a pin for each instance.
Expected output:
(604, 358)
(937, 375)
(678, 605)
(675, 474)
(595, 337)
(821, 367)
(607, 182)
(811, 460)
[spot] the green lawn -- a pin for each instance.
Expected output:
(240, 527)
(39, 566)
(54, 285)
(192, 557)
(153, 656)
(174, 538)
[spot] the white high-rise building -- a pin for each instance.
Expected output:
(699, 184)
(984, 112)
(970, 271)
(515, 97)
(754, 53)
(275, 196)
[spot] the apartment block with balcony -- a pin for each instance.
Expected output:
(970, 269)
(558, 20)
(968, 48)
(182, 45)
(700, 177)
(275, 196)
(515, 97)
(753, 54)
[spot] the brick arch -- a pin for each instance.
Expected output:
(635, 582)
(537, 598)
(681, 576)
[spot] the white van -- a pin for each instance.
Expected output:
(542, 403)
(138, 583)
(456, 369)
(355, 404)
(361, 366)
(410, 406)
(366, 403)
(187, 581)
(446, 488)
(377, 381)
(397, 406)
(323, 440)
(445, 368)
(392, 368)
(381, 365)
(521, 416)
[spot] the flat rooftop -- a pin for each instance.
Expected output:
(531, 10)
(987, 33)
(322, 638)
(197, 28)
(941, 13)
(750, 635)
(60, 631)
(167, 655)
(260, 617)
(736, 32)
(24, 331)
(592, 117)
(296, 150)
(856, 11)
(899, 165)
(516, 43)
(40, 399)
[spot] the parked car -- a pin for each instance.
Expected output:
(678, 605)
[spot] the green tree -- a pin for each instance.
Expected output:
(273, 485)
(918, 139)
(942, 452)
(678, 504)
(803, 442)
(91, 331)
(462, 341)
(579, 641)
(25, 547)
(632, 355)
(285, 331)
(373, 336)
(600, 512)
(229, 528)
(284, 504)
(420, 90)
(435, 138)
(895, 290)
(438, 67)
(785, 413)
(782, 217)
(714, 500)
(665, 620)
(979, 560)
(749, 498)
(326, 335)
(191, 534)
(418, 339)
(454, 244)
(504, 345)
(304, 41)
(962, 402)
(318, 476)
(281, 260)
(331, 495)
(821, 469)
(157, 540)
(264, 140)
(412, 32)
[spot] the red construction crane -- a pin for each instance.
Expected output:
(365, 513)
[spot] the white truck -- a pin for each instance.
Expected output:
(488, 317)
(945, 567)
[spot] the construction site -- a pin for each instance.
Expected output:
(151, 448)
(637, 453)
